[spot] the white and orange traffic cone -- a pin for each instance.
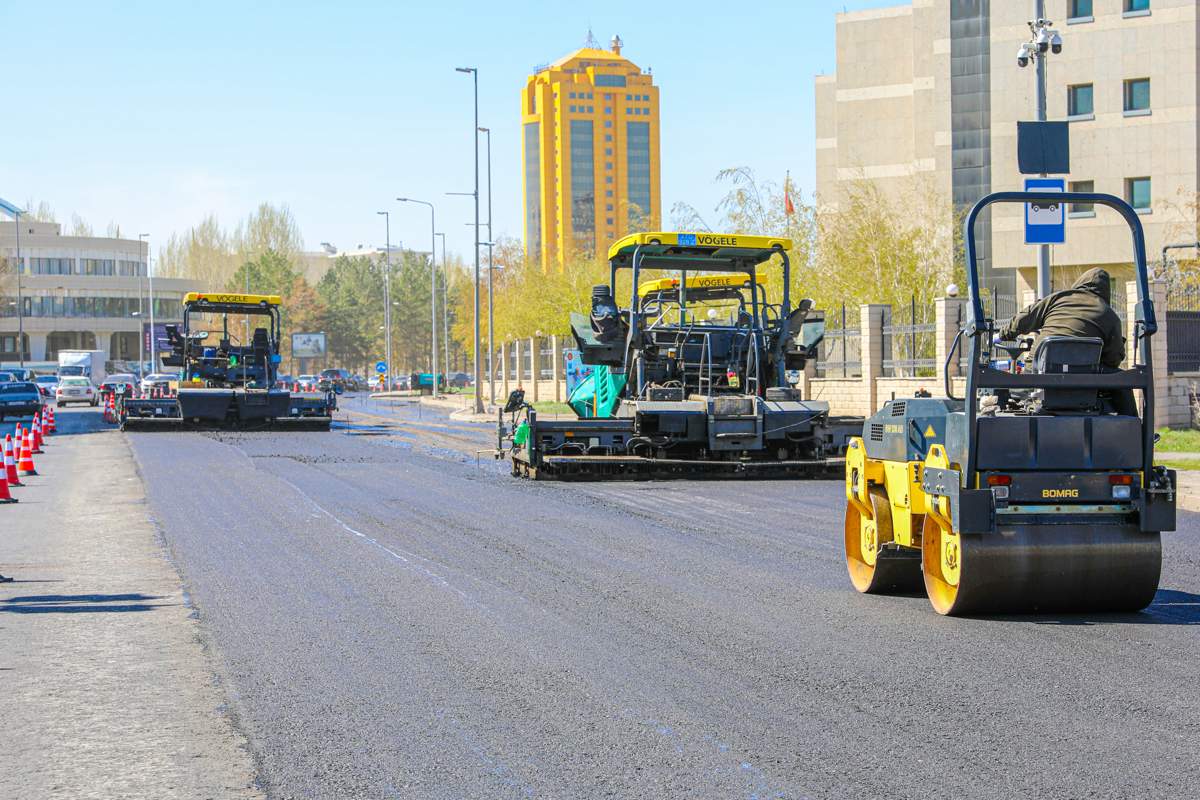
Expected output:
(36, 431)
(25, 462)
(5, 494)
(48, 426)
(10, 463)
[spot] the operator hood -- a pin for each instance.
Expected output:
(1097, 282)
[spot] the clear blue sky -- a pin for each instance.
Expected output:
(153, 114)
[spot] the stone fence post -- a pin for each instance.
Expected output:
(1158, 350)
(557, 367)
(948, 314)
(504, 369)
(535, 354)
(874, 316)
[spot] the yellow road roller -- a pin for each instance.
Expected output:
(1034, 492)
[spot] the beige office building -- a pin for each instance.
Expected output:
(929, 94)
(78, 292)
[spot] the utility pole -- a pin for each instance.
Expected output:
(141, 319)
(432, 282)
(387, 300)
(491, 306)
(445, 307)
(478, 361)
(1044, 39)
(150, 280)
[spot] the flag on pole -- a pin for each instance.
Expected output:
(788, 208)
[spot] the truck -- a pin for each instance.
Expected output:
(82, 363)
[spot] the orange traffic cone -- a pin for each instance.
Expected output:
(5, 494)
(36, 431)
(10, 463)
(25, 462)
(48, 422)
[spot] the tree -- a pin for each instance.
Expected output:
(202, 253)
(39, 212)
(79, 227)
(352, 292)
(267, 228)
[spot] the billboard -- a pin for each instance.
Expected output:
(160, 337)
(308, 345)
(576, 371)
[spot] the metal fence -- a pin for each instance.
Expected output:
(1183, 329)
(841, 351)
(909, 345)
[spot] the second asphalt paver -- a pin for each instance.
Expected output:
(395, 621)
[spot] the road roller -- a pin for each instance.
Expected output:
(1034, 492)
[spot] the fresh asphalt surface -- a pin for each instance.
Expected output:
(395, 621)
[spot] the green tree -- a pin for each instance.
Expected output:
(352, 293)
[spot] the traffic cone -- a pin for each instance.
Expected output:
(25, 462)
(10, 463)
(35, 432)
(5, 494)
(48, 422)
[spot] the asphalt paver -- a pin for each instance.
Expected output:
(393, 620)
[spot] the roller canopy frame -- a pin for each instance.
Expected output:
(980, 327)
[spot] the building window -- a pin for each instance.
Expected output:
(608, 109)
(1137, 96)
(608, 137)
(583, 186)
(608, 207)
(610, 80)
(629, 97)
(572, 108)
(608, 123)
(1080, 10)
(1137, 7)
(608, 193)
(637, 160)
(1137, 193)
(609, 221)
(608, 151)
(1082, 209)
(608, 165)
(571, 95)
(131, 269)
(533, 190)
(1079, 101)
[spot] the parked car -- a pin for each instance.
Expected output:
(7, 377)
(19, 399)
(75, 389)
(20, 373)
(46, 384)
(459, 380)
(117, 384)
(402, 383)
(156, 380)
(338, 379)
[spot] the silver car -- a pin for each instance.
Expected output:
(75, 389)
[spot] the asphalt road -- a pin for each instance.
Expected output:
(394, 621)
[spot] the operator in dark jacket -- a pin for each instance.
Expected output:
(1082, 310)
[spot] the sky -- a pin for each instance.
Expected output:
(154, 114)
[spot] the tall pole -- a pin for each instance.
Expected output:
(20, 296)
(1043, 268)
(141, 318)
(445, 308)
(491, 309)
(387, 300)
(478, 360)
(432, 283)
(150, 280)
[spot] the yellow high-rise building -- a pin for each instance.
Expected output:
(590, 152)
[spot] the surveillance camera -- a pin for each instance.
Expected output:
(1055, 42)
(1023, 56)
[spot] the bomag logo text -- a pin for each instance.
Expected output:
(1059, 494)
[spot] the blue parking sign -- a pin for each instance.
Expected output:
(1045, 223)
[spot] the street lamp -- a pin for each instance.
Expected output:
(432, 282)
(1043, 40)
(15, 213)
(445, 307)
(387, 295)
(142, 336)
(150, 281)
(491, 313)
(474, 72)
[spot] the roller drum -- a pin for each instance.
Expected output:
(1035, 568)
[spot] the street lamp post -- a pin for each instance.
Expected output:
(150, 281)
(1043, 39)
(490, 241)
(474, 72)
(432, 282)
(139, 315)
(445, 307)
(15, 213)
(387, 299)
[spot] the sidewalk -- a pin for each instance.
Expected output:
(107, 689)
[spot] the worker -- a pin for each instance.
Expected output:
(1083, 310)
